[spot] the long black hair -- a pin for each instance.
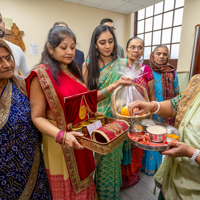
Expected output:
(55, 36)
(93, 55)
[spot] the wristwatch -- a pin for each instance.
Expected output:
(193, 158)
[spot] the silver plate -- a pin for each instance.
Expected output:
(170, 130)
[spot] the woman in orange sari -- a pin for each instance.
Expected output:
(69, 167)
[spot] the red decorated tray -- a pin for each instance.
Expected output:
(82, 106)
(103, 148)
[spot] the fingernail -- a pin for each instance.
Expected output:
(166, 142)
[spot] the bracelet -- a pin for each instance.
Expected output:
(59, 136)
(157, 109)
(104, 92)
(64, 136)
(194, 156)
(153, 107)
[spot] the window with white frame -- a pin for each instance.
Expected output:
(160, 24)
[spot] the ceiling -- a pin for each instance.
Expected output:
(120, 6)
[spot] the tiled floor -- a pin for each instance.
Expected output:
(143, 190)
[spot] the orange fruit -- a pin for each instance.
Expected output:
(124, 111)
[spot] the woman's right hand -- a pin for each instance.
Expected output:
(71, 141)
(139, 107)
(123, 81)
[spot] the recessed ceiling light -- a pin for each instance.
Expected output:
(126, 0)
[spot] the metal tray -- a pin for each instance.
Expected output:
(154, 146)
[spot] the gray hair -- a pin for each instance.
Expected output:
(159, 46)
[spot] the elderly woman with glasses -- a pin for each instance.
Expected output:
(135, 50)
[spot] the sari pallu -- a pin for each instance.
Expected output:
(22, 170)
(130, 172)
(178, 178)
(70, 172)
(108, 171)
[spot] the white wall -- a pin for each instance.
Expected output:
(36, 17)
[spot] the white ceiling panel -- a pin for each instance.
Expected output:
(88, 4)
(119, 11)
(140, 2)
(73, 1)
(128, 6)
(113, 3)
(105, 7)
(95, 1)
(120, 6)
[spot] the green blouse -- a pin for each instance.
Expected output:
(175, 102)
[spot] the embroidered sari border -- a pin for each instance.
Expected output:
(76, 79)
(51, 97)
(190, 93)
(6, 98)
(78, 185)
(58, 113)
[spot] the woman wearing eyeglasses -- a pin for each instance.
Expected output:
(135, 50)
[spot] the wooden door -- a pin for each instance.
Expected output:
(195, 63)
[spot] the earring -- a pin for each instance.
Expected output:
(52, 55)
(97, 53)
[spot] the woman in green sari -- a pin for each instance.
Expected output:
(179, 177)
(101, 73)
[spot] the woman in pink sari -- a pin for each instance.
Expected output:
(69, 167)
(135, 50)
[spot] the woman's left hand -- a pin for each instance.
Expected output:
(71, 140)
(178, 149)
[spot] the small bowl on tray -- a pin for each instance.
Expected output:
(155, 136)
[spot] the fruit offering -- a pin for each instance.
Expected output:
(125, 111)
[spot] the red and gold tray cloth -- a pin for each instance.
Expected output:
(105, 147)
(104, 140)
